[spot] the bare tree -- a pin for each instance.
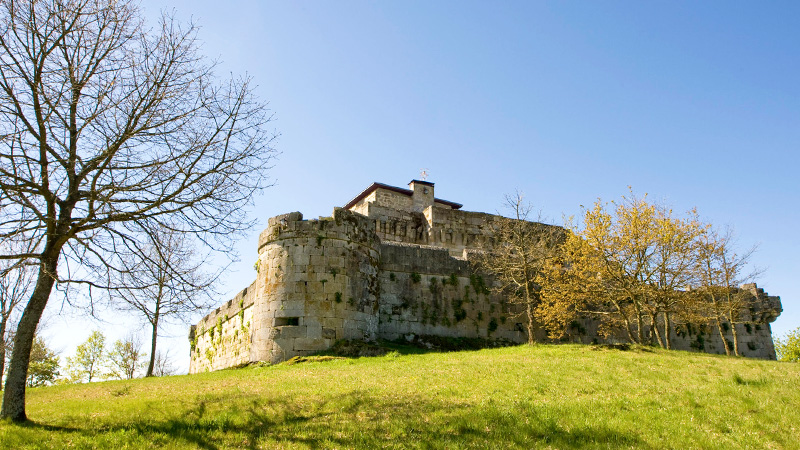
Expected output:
(522, 249)
(107, 127)
(720, 271)
(163, 365)
(164, 282)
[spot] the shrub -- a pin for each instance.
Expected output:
(788, 347)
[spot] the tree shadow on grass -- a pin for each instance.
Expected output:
(353, 420)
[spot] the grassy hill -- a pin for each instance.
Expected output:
(545, 396)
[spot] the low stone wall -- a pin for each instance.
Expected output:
(222, 338)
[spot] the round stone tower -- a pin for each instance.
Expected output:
(317, 282)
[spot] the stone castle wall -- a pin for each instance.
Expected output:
(425, 291)
(222, 338)
(375, 271)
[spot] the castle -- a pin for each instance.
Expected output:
(393, 263)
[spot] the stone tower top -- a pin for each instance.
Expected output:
(422, 196)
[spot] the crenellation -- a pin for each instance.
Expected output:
(393, 264)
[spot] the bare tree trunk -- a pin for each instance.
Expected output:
(3, 325)
(640, 324)
(722, 336)
(720, 316)
(627, 320)
(654, 321)
(14, 393)
(153, 347)
(531, 338)
(667, 328)
(735, 339)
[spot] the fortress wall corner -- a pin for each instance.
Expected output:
(317, 283)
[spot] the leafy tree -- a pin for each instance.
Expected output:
(108, 128)
(125, 358)
(522, 248)
(164, 282)
(628, 267)
(44, 364)
(89, 360)
(788, 347)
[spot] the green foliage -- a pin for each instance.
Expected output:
(699, 343)
(125, 360)
(415, 277)
(492, 325)
(433, 286)
(788, 347)
(337, 297)
(478, 285)
(44, 363)
(320, 238)
(257, 266)
(453, 279)
(459, 313)
(392, 276)
(89, 359)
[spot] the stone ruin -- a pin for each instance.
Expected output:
(393, 264)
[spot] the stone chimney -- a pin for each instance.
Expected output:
(423, 195)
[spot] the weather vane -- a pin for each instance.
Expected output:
(423, 174)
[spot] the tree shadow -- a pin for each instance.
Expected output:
(355, 420)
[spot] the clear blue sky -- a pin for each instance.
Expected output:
(695, 103)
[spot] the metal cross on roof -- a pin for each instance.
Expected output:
(423, 174)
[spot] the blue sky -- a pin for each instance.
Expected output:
(695, 103)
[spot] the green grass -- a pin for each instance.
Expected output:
(519, 397)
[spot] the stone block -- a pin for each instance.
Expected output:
(314, 332)
(310, 345)
(292, 331)
(328, 333)
(286, 312)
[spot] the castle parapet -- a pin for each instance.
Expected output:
(317, 283)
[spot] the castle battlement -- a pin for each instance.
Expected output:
(393, 263)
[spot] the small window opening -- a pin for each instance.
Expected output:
(287, 321)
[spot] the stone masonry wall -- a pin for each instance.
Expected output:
(425, 291)
(222, 338)
(317, 283)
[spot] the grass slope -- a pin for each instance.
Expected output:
(545, 396)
